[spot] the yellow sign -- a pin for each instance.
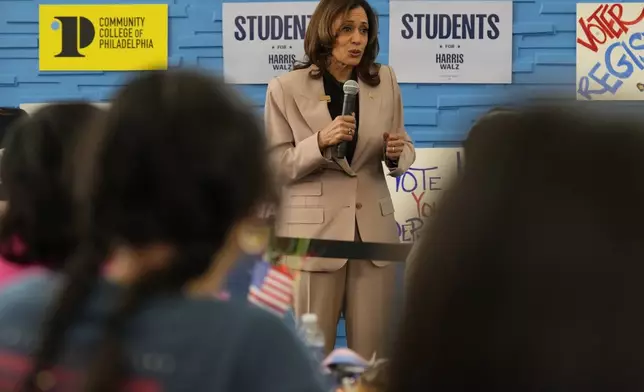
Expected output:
(103, 37)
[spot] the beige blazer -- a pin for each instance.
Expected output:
(319, 200)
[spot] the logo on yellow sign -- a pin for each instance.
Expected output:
(103, 37)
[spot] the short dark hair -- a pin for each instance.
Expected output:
(39, 224)
(320, 37)
(180, 160)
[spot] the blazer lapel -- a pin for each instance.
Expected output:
(312, 104)
(370, 100)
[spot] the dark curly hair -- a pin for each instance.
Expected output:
(39, 223)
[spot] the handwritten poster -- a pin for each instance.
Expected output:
(415, 194)
(610, 45)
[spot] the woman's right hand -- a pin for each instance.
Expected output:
(340, 130)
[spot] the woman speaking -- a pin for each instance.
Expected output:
(322, 199)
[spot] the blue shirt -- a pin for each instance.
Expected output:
(174, 343)
(239, 278)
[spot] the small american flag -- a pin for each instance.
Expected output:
(271, 288)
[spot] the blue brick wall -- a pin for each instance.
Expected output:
(436, 115)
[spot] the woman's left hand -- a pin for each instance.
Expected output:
(394, 145)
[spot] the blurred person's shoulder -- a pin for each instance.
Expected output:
(205, 343)
(235, 321)
(28, 296)
(23, 309)
(213, 309)
(245, 347)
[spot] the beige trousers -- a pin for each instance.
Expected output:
(363, 292)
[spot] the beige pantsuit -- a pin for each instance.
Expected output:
(321, 201)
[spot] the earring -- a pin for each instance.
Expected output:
(253, 241)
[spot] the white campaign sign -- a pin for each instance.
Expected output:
(415, 194)
(451, 42)
(262, 40)
(610, 44)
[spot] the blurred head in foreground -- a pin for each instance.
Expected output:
(530, 276)
(38, 226)
(179, 169)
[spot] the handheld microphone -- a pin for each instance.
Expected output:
(350, 89)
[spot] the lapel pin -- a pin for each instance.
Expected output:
(640, 86)
(325, 98)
